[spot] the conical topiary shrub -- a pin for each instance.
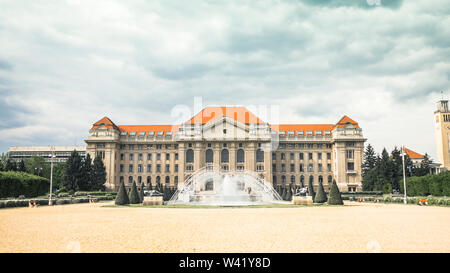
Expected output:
(122, 196)
(150, 186)
(289, 194)
(141, 193)
(134, 195)
(335, 195)
(283, 194)
(321, 196)
(311, 190)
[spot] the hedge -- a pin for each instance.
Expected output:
(436, 185)
(14, 184)
(42, 202)
(432, 200)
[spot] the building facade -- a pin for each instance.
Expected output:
(233, 139)
(62, 153)
(442, 131)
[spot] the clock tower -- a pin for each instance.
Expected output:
(442, 130)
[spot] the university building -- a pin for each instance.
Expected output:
(60, 153)
(233, 139)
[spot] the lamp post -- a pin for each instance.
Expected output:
(52, 155)
(405, 200)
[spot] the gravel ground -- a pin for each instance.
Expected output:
(353, 228)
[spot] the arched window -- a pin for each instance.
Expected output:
(283, 156)
(209, 186)
(224, 156)
(149, 180)
(320, 179)
(167, 179)
(302, 181)
(158, 180)
(283, 179)
(330, 179)
(139, 179)
(121, 179)
(240, 156)
(292, 179)
(311, 179)
(176, 180)
(259, 155)
(189, 156)
(274, 179)
(130, 179)
(209, 156)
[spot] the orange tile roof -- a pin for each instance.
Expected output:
(344, 121)
(412, 154)
(149, 128)
(239, 113)
(303, 127)
(105, 121)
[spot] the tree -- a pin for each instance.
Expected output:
(141, 192)
(321, 196)
(368, 175)
(10, 165)
(134, 195)
(86, 174)
(73, 174)
(150, 186)
(122, 196)
(335, 195)
(289, 193)
(98, 177)
(397, 168)
(311, 190)
(424, 168)
(21, 167)
(384, 170)
(38, 166)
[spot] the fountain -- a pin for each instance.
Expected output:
(213, 186)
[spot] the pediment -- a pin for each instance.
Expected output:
(225, 128)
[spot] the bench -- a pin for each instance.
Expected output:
(361, 199)
(92, 200)
(376, 200)
(33, 204)
(423, 202)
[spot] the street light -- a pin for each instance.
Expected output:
(37, 170)
(404, 176)
(52, 155)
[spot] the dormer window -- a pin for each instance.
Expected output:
(141, 133)
(151, 133)
(299, 132)
(290, 132)
(309, 132)
(327, 132)
(282, 132)
(132, 133)
(123, 133)
(160, 133)
(168, 133)
(318, 132)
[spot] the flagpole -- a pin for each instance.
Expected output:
(405, 200)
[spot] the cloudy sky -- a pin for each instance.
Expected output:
(66, 64)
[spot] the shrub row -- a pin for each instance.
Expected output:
(436, 185)
(14, 184)
(43, 202)
(432, 200)
(96, 193)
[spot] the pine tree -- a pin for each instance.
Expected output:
(150, 186)
(73, 174)
(368, 177)
(86, 174)
(311, 190)
(321, 196)
(289, 194)
(141, 193)
(283, 193)
(21, 167)
(134, 195)
(122, 196)
(335, 195)
(10, 166)
(98, 176)
(397, 168)
(424, 168)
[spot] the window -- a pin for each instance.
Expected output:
(167, 168)
(209, 185)
(283, 179)
(158, 156)
(310, 156)
(301, 156)
(121, 179)
(350, 144)
(176, 156)
(149, 156)
(167, 179)
(151, 133)
(240, 156)
(319, 146)
(290, 132)
(130, 179)
(292, 179)
(224, 156)
(259, 155)
(122, 157)
(302, 181)
(309, 133)
(329, 156)
(209, 156)
(139, 168)
(329, 167)
(327, 132)
(320, 179)
(319, 156)
(240, 167)
(302, 169)
(176, 180)
(283, 168)
(160, 133)
(158, 168)
(139, 179)
(299, 132)
(330, 179)
(310, 146)
(292, 156)
(301, 145)
(141, 133)
(310, 168)
(260, 168)
(168, 133)
(282, 132)
(318, 132)
(100, 145)
(224, 131)
(121, 168)
(123, 133)
(274, 156)
(139, 156)
(149, 180)
(189, 156)
(292, 169)
(350, 153)
(167, 156)
(283, 156)
(132, 133)
(176, 167)
(149, 168)
(319, 167)
(350, 166)
(274, 178)
(130, 168)
(131, 156)
(274, 167)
